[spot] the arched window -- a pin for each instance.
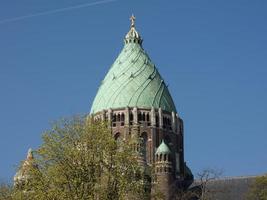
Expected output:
(157, 121)
(117, 136)
(119, 117)
(165, 157)
(144, 117)
(147, 117)
(139, 117)
(122, 118)
(131, 118)
(114, 118)
(164, 122)
(144, 146)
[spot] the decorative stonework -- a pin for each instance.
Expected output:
(151, 126)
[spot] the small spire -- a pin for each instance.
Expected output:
(132, 19)
(132, 36)
(29, 155)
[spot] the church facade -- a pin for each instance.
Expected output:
(134, 98)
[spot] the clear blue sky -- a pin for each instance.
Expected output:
(213, 55)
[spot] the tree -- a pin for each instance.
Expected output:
(5, 191)
(207, 185)
(203, 188)
(258, 189)
(81, 160)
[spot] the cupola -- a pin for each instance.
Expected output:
(133, 80)
(133, 36)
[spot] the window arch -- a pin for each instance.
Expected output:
(157, 120)
(144, 117)
(113, 118)
(131, 117)
(139, 117)
(117, 136)
(147, 117)
(144, 146)
(165, 157)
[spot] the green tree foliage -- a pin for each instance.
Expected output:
(258, 190)
(81, 160)
(5, 192)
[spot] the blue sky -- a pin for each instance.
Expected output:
(213, 55)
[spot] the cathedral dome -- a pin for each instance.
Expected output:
(133, 80)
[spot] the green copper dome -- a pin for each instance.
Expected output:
(133, 80)
(163, 148)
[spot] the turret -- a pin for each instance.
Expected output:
(163, 170)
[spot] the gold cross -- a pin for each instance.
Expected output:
(132, 18)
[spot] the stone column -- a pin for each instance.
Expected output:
(174, 127)
(135, 129)
(126, 122)
(153, 117)
(178, 124)
(126, 115)
(153, 134)
(110, 116)
(103, 115)
(135, 120)
(160, 118)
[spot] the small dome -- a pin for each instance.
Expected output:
(163, 149)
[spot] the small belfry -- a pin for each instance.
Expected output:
(133, 36)
(163, 169)
(134, 98)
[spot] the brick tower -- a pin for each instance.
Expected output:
(135, 99)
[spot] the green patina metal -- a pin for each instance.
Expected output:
(163, 149)
(133, 81)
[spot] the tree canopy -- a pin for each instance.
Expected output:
(5, 191)
(258, 190)
(82, 160)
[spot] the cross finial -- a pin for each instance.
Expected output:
(132, 18)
